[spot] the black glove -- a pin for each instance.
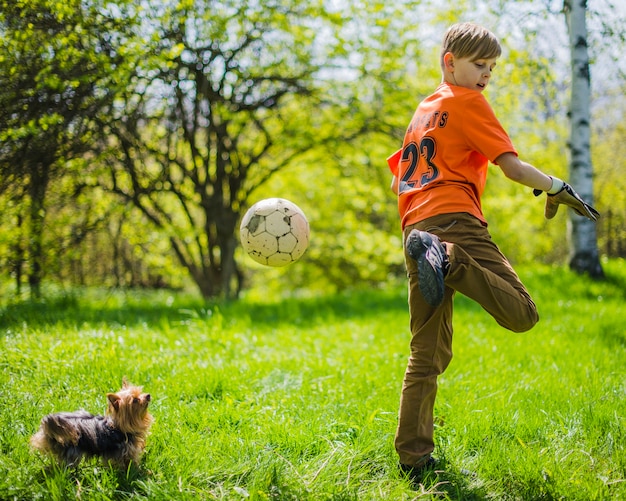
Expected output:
(567, 196)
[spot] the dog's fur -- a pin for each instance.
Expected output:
(118, 438)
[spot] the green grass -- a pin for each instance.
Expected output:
(296, 399)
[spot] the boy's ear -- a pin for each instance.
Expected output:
(448, 60)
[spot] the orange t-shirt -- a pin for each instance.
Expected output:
(442, 166)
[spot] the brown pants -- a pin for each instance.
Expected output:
(479, 271)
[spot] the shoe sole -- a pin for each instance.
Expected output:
(431, 284)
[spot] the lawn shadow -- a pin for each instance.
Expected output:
(72, 309)
(451, 483)
(141, 307)
(153, 308)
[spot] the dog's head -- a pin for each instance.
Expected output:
(129, 409)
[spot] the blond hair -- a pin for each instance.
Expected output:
(470, 40)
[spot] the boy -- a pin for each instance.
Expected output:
(439, 177)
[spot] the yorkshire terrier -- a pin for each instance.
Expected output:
(118, 437)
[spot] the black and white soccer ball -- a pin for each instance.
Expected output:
(274, 232)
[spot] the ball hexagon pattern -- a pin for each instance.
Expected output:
(274, 232)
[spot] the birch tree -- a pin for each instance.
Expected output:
(585, 258)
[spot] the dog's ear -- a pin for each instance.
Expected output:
(114, 400)
(125, 383)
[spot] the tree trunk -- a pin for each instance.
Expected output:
(585, 258)
(39, 178)
(18, 257)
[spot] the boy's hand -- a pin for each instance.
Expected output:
(567, 196)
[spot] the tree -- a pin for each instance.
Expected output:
(609, 156)
(585, 258)
(57, 71)
(228, 101)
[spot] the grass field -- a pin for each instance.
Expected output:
(296, 399)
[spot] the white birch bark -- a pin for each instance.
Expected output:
(584, 258)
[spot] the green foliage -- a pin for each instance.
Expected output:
(608, 157)
(237, 86)
(297, 398)
(154, 102)
(54, 56)
(57, 72)
(355, 237)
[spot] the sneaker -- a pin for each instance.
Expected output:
(432, 264)
(417, 473)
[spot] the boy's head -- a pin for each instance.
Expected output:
(469, 40)
(468, 56)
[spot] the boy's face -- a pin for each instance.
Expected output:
(468, 72)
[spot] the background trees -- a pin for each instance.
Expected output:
(134, 137)
(230, 100)
(57, 71)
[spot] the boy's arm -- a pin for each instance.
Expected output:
(393, 161)
(524, 173)
(559, 192)
(394, 185)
